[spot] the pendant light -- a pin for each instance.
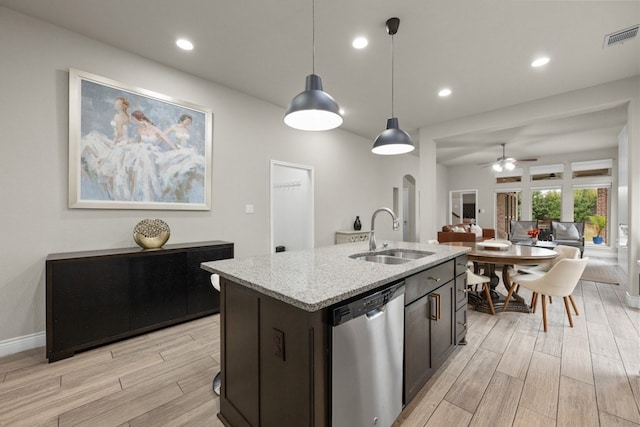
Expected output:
(313, 109)
(393, 140)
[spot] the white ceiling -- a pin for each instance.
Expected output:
(481, 49)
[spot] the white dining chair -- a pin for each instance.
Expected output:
(559, 281)
(564, 252)
(477, 279)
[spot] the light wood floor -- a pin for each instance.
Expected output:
(510, 374)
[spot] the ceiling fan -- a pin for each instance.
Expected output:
(506, 163)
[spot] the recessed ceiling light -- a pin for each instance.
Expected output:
(184, 44)
(539, 62)
(360, 42)
(444, 92)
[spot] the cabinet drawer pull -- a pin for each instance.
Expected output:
(435, 310)
(463, 324)
(437, 279)
(465, 290)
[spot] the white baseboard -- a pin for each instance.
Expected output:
(18, 344)
(633, 301)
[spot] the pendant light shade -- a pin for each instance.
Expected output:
(313, 109)
(393, 140)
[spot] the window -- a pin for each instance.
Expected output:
(546, 205)
(589, 201)
(547, 172)
(591, 168)
(509, 176)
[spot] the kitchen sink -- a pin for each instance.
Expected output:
(392, 256)
(381, 259)
(405, 253)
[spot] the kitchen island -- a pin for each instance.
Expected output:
(276, 327)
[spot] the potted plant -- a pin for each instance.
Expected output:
(600, 221)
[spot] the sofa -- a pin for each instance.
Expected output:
(568, 234)
(464, 233)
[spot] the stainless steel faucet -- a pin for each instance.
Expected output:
(372, 236)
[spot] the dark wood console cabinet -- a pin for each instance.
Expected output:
(97, 297)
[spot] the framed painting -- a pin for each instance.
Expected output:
(130, 148)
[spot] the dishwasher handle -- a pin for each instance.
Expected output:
(375, 313)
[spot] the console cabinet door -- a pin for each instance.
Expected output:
(158, 289)
(201, 296)
(90, 302)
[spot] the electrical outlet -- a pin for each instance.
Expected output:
(278, 344)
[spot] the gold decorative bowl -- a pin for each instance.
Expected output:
(151, 233)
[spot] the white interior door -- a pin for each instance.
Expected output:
(292, 222)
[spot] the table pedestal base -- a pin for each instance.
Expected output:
(480, 304)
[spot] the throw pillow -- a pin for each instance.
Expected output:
(459, 229)
(477, 230)
(569, 232)
(519, 232)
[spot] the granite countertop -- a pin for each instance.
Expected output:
(314, 279)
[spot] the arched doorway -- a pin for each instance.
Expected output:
(409, 209)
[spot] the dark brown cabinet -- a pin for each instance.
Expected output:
(429, 325)
(97, 297)
(460, 325)
(276, 358)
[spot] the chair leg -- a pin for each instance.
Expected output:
(506, 301)
(534, 302)
(544, 312)
(566, 307)
(573, 303)
(487, 292)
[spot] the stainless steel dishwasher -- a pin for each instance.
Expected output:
(367, 354)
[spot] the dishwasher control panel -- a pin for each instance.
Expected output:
(365, 304)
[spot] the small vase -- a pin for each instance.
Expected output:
(151, 233)
(534, 240)
(357, 225)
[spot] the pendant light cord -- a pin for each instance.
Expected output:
(392, 80)
(313, 36)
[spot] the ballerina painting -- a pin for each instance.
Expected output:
(134, 149)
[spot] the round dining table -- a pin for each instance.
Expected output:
(492, 253)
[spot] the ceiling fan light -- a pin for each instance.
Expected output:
(393, 140)
(497, 167)
(313, 109)
(509, 166)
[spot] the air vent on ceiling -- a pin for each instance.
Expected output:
(620, 36)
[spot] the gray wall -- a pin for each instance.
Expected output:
(247, 134)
